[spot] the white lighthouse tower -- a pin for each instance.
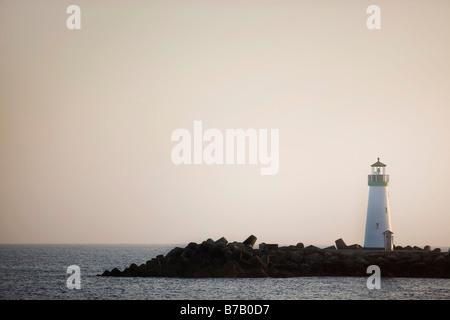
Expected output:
(378, 220)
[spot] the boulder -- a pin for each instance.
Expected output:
(205, 246)
(439, 259)
(415, 257)
(192, 245)
(295, 257)
(246, 254)
(227, 254)
(354, 247)
(311, 247)
(427, 248)
(300, 245)
(265, 260)
(237, 253)
(305, 268)
(313, 257)
(222, 240)
(330, 248)
(268, 246)
(188, 252)
(173, 255)
(216, 249)
(340, 244)
(362, 260)
(256, 261)
(115, 272)
(278, 262)
(250, 241)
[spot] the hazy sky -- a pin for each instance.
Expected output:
(86, 118)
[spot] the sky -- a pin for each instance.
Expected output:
(86, 118)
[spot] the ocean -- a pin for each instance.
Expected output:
(38, 272)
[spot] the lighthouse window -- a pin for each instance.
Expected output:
(386, 209)
(378, 226)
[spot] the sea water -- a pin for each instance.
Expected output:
(39, 272)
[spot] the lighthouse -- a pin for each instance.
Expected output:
(378, 222)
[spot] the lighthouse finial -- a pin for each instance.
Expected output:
(378, 159)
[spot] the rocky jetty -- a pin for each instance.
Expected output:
(220, 259)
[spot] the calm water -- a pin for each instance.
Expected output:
(39, 272)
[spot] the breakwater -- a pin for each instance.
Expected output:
(223, 259)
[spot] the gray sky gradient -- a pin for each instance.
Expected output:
(86, 118)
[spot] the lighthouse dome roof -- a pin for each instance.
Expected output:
(378, 164)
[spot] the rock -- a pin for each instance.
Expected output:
(415, 257)
(216, 249)
(362, 260)
(205, 246)
(265, 260)
(237, 254)
(115, 272)
(419, 267)
(398, 248)
(393, 258)
(278, 262)
(134, 266)
(236, 246)
(261, 273)
(192, 245)
(256, 261)
(437, 250)
(313, 257)
(427, 248)
(295, 257)
(250, 241)
(227, 254)
(290, 265)
(340, 244)
(222, 240)
(439, 259)
(330, 248)
(246, 254)
(268, 246)
(408, 248)
(354, 247)
(172, 256)
(417, 248)
(381, 261)
(188, 252)
(311, 247)
(305, 268)
(300, 245)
